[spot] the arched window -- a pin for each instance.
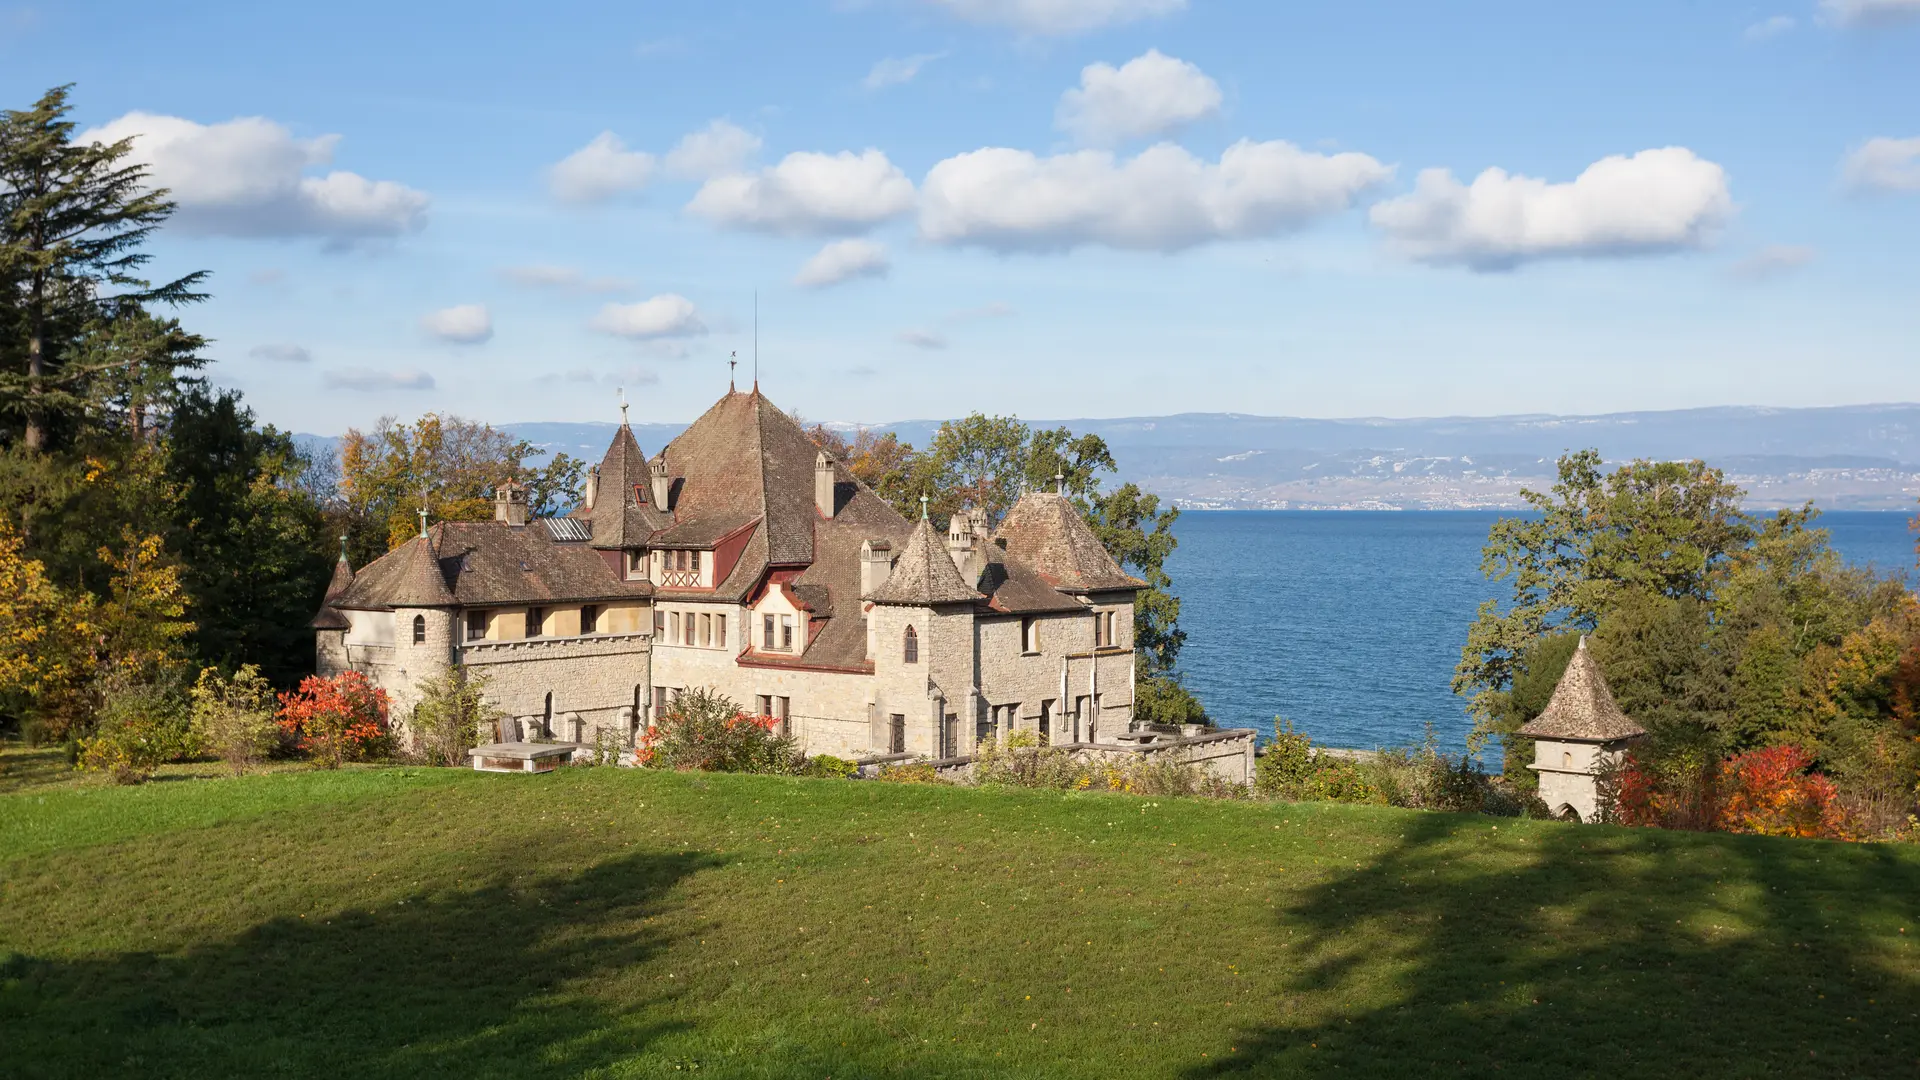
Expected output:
(419, 629)
(1566, 759)
(910, 647)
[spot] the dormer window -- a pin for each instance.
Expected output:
(636, 565)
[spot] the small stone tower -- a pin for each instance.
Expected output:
(1580, 734)
(424, 614)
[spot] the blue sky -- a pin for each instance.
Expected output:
(1056, 208)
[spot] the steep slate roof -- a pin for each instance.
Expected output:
(1015, 588)
(1044, 531)
(623, 513)
(488, 563)
(1582, 708)
(743, 460)
(329, 618)
(924, 574)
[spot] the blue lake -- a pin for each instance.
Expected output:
(1349, 623)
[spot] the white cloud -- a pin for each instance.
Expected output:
(809, 193)
(368, 380)
(668, 315)
(1151, 94)
(289, 354)
(1869, 12)
(1770, 27)
(1883, 165)
(462, 324)
(600, 170)
(245, 177)
(714, 150)
(548, 276)
(1655, 201)
(843, 260)
(921, 339)
(895, 70)
(1058, 16)
(1771, 262)
(1165, 199)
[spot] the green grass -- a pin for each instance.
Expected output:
(608, 922)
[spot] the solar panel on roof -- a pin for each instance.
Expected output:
(569, 530)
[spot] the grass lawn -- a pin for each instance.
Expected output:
(600, 922)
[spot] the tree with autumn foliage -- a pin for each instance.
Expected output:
(445, 464)
(338, 719)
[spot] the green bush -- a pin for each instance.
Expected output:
(452, 712)
(233, 717)
(704, 730)
(829, 766)
(1293, 769)
(139, 726)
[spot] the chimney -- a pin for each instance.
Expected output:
(510, 504)
(960, 540)
(593, 485)
(876, 565)
(823, 485)
(660, 484)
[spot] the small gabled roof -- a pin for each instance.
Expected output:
(623, 513)
(1044, 531)
(1582, 708)
(924, 574)
(330, 617)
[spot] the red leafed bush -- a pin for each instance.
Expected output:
(706, 731)
(338, 719)
(1770, 792)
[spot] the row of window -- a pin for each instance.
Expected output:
(702, 629)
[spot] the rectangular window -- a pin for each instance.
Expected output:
(476, 625)
(706, 630)
(694, 560)
(1046, 721)
(659, 700)
(783, 709)
(719, 631)
(1030, 635)
(536, 621)
(636, 564)
(897, 733)
(659, 624)
(763, 704)
(766, 626)
(590, 619)
(786, 633)
(679, 560)
(1108, 617)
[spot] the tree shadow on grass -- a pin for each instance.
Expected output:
(1582, 951)
(481, 983)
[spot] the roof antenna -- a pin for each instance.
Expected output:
(756, 341)
(623, 406)
(733, 361)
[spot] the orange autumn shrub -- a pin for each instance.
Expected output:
(339, 719)
(1770, 792)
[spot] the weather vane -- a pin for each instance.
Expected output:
(623, 406)
(733, 361)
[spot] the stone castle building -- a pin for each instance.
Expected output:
(744, 559)
(1580, 734)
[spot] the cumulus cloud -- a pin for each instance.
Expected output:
(1058, 16)
(1771, 262)
(668, 315)
(288, 354)
(548, 276)
(714, 150)
(367, 380)
(1869, 12)
(600, 170)
(921, 339)
(1164, 199)
(1884, 165)
(843, 260)
(1655, 201)
(895, 70)
(1770, 27)
(809, 193)
(247, 177)
(462, 324)
(1151, 94)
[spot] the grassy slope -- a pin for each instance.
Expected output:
(603, 922)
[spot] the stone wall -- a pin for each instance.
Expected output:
(595, 677)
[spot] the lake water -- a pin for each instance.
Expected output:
(1349, 623)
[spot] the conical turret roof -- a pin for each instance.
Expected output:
(330, 617)
(420, 582)
(1582, 707)
(623, 513)
(1046, 532)
(925, 574)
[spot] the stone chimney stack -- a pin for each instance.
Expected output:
(823, 485)
(876, 564)
(660, 484)
(593, 485)
(510, 504)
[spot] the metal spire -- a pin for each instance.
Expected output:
(623, 406)
(923, 508)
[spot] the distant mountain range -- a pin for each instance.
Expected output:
(1848, 457)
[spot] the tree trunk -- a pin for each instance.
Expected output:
(36, 433)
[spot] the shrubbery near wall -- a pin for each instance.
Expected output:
(1021, 761)
(1421, 779)
(705, 730)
